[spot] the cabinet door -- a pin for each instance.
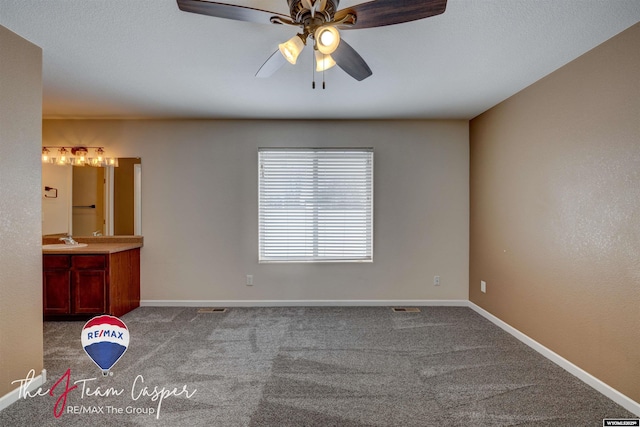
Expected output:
(89, 291)
(56, 291)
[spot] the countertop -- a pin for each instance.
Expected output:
(95, 245)
(94, 248)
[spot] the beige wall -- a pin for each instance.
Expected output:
(199, 207)
(20, 209)
(555, 211)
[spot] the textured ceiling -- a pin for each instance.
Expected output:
(146, 58)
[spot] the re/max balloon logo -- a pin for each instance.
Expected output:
(105, 339)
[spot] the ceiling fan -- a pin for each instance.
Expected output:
(320, 21)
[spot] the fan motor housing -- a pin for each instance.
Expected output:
(302, 15)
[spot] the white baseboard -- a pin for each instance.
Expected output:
(300, 303)
(14, 395)
(613, 394)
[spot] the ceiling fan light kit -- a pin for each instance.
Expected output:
(327, 39)
(320, 20)
(323, 62)
(291, 48)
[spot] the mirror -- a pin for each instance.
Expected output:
(85, 200)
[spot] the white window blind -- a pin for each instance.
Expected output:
(315, 205)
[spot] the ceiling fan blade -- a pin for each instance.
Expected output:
(271, 65)
(379, 13)
(229, 11)
(350, 61)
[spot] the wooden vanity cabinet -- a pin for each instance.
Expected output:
(91, 284)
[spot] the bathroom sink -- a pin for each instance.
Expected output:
(58, 246)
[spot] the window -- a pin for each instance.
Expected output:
(315, 205)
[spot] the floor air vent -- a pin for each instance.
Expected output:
(406, 309)
(212, 310)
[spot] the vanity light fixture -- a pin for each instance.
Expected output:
(78, 156)
(46, 155)
(63, 157)
(99, 158)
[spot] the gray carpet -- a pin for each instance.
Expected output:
(314, 366)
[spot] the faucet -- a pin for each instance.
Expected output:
(68, 240)
(97, 233)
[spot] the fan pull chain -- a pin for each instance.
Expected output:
(324, 59)
(313, 72)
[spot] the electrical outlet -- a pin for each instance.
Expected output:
(249, 279)
(436, 280)
(483, 286)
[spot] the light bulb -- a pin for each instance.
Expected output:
(327, 39)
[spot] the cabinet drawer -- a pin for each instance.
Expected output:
(56, 261)
(89, 262)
